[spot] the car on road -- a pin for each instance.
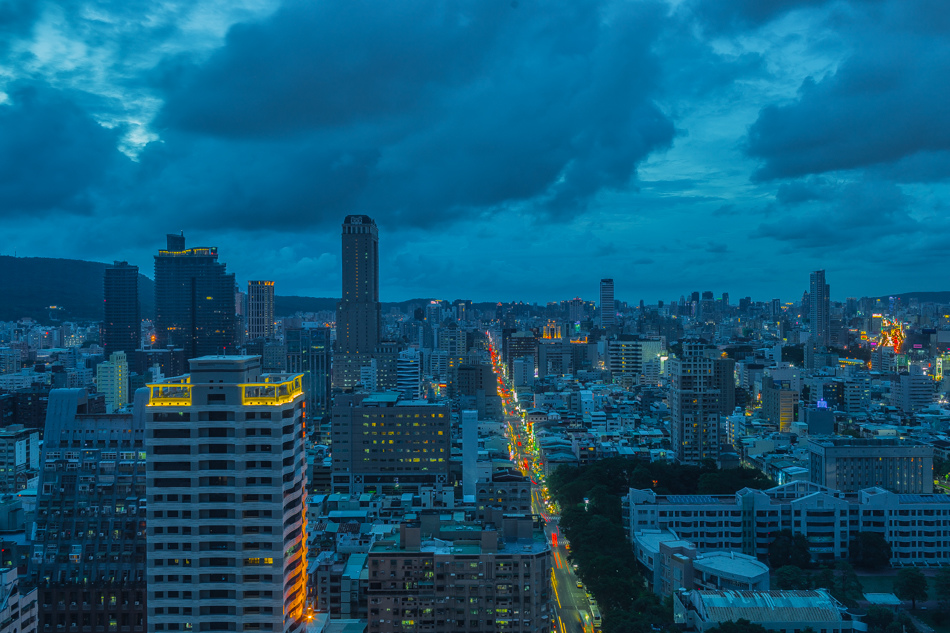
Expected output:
(580, 585)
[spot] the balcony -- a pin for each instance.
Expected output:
(174, 393)
(276, 390)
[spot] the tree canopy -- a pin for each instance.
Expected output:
(870, 550)
(911, 584)
(789, 549)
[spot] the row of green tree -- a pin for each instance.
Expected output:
(618, 475)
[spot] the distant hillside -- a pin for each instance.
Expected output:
(30, 285)
(288, 305)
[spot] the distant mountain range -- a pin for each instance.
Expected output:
(31, 286)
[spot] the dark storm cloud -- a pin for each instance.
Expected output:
(886, 103)
(51, 152)
(430, 111)
(744, 14)
(819, 213)
(16, 18)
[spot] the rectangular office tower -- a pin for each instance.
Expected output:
(194, 300)
(260, 310)
(121, 323)
(309, 353)
(88, 558)
(819, 304)
(358, 316)
(608, 312)
(384, 443)
(226, 498)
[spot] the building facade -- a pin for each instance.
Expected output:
(409, 374)
(260, 310)
(819, 305)
(461, 577)
(694, 405)
(626, 355)
(121, 323)
(608, 312)
(358, 316)
(227, 499)
(309, 352)
(916, 526)
(194, 300)
(383, 443)
(849, 464)
(112, 380)
(89, 545)
(19, 457)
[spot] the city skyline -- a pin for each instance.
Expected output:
(749, 143)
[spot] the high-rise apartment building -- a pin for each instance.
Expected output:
(194, 300)
(409, 374)
(88, 557)
(226, 499)
(121, 323)
(627, 354)
(694, 404)
(381, 442)
(112, 380)
(358, 316)
(576, 310)
(521, 344)
(608, 312)
(260, 310)
(779, 403)
(819, 308)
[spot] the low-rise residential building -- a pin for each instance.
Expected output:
(442, 575)
(673, 564)
(917, 526)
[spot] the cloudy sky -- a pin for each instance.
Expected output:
(516, 149)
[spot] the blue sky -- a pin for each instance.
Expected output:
(516, 150)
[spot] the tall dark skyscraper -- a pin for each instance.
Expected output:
(819, 304)
(358, 316)
(309, 353)
(121, 323)
(608, 312)
(194, 300)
